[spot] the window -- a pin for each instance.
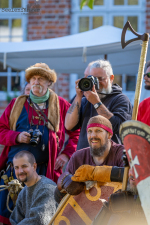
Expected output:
(3, 83)
(16, 31)
(118, 2)
(4, 30)
(86, 23)
(97, 21)
(133, 2)
(4, 3)
(11, 28)
(16, 3)
(98, 2)
(11, 83)
(15, 83)
(83, 24)
(130, 83)
(10, 3)
(134, 21)
(126, 2)
(119, 21)
(118, 80)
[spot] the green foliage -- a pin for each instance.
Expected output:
(89, 3)
(8, 97)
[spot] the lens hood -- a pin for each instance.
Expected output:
(85, 84)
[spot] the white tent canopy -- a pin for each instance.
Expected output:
(67, 54)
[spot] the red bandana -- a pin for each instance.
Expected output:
(100, 125)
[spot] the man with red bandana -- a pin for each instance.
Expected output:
(101, 151)
(101, 161)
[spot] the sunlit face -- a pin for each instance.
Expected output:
(23, 169)
(39, 85)
(147, 80)
(98, 140)
(27, 89)
(105, 82)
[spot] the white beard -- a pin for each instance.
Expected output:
(105, 90)
(40, 88)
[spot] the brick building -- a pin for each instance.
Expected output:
(53, 21)
(147, 16)
(57, 18)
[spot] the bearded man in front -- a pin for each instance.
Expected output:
(35, 203)
(103, 156)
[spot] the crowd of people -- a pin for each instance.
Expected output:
(33, 128)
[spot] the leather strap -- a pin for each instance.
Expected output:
(45, 118)
(43, 114)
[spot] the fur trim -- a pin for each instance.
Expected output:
(41, 69)
(16, 111)
(53, 111)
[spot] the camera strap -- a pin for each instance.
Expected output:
(43, 114)
(44, 119)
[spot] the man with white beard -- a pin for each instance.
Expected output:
(108, 101)
(35, 123)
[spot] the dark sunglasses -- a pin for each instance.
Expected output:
(147, 74)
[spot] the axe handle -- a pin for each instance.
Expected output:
(139, 79)
(125, 178)
(61, 205)
(137, 99)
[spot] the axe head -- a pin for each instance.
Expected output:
(143, 37)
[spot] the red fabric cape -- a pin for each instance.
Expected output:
(8, 138)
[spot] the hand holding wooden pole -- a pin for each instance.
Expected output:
(145, 39)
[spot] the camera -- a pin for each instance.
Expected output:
(36, 136)
(86, 84)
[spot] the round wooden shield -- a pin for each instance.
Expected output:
(82, 209)
(136, 139)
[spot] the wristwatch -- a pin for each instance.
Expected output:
(97, 105)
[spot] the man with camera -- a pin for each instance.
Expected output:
(35, 123)
(108, 101)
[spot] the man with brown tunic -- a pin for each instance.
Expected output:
(101, 161)
(101, 151)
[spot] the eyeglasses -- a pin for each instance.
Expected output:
(101, 78)
(147, 74)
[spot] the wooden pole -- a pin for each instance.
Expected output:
(137, 98)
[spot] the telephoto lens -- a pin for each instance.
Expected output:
(86, 84)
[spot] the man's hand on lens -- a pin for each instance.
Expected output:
(78, 90)
(61, 161)
(92, 96)
(23, 137)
